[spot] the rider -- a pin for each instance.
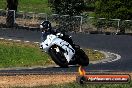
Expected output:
(46, 29)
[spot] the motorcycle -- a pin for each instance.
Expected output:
(62, 51)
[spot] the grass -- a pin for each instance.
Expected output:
(94, 55)
(90, 14)
(76, 85)
(19, 54)
(2, 4)
(38, 6)
(14, 54)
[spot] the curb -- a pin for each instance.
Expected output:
(18, 40)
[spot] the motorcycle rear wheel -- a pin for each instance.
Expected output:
(58, 57)
(82, 58)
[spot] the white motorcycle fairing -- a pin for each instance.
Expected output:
(54, 40)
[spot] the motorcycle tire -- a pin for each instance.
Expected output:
(58, 57)
(82, 58)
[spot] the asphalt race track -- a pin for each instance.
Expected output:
(119, 44)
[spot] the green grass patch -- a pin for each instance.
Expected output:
(14, 54)
(94, 55)
(19, 54)
(90, 14)
(76, 85)
(38, 6)
(2, 4)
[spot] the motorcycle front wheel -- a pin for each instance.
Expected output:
(57, 55)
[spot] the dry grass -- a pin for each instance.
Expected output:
(35, 80)
(41, 80)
